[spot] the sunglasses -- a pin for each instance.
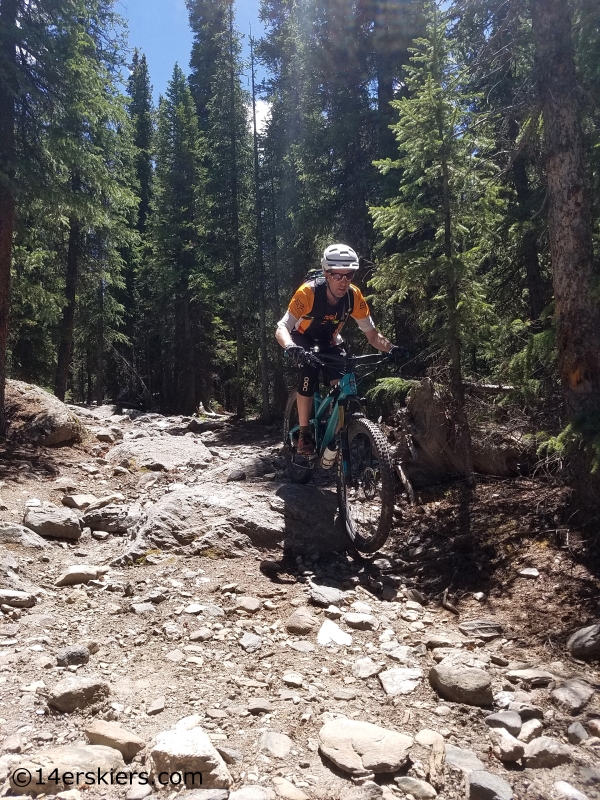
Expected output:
(338, 276)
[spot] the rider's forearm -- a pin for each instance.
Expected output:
(378, 340)
(283, 336)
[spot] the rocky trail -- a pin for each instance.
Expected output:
(171, 604)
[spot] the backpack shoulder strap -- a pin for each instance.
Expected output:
(319, 288)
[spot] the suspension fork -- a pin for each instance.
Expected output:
(344, 446)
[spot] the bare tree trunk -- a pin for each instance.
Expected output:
(8, 89)
(100, 347)
(569, 219)
(260, 262)
(68, 321)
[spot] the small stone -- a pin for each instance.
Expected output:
(330, 633)
(481, 629)
(504, 746)
(201, 635)
(418, 788)
(102, 536)
(344, 694)
(12, 744)
(505, 719)
(293, 679)
(73, 693)
(366, 668)
(236, 475)
(277, 745)
(156, 706)
(361, 748)
(252, 793)
(400, 680)
(80, 573)
(175, 656)
(546, 752)
(361, 622)
(250, 642)
(301, 622)
(78, 501)
(17, 599)
(74, 654)
(302, 646)
(529, 572)
(333, 612)
(325, 595)
(260, 705)
(482, 785)
(577, 733)
(249, 604)
(462, 684)
(531, 729)
(229, 755)
(286, 790)
(112, 735)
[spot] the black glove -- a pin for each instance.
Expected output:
(296, 354)
(398, 354)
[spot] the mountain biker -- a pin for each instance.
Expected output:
(315, 316)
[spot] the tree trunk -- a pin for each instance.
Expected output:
(68, 321)
(100, 347)
(569, 220)
(8, 89)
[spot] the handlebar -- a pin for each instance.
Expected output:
(349, 362)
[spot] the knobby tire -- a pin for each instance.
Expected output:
(367, 508)
(298, 472)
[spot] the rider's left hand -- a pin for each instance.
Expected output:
(398, 354)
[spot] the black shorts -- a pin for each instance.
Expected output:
(308, 379)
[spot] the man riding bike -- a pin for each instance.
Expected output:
(315, 316)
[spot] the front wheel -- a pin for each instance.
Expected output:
(299, 467)
(366, 486)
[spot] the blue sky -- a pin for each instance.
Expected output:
(160, 29)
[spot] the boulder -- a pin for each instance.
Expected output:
(187, 749)
(585, 643)
(17, 599)
(361, 748)
(36, 415)
(57, 761)
(72, 693)
(112, 518)
(11, 533)
(112, 735)
(80, 573)
(161, 453)
(229, 519)
(482, 785)
(462, 684)
(546, 753)
(572, 695)
(54, 521)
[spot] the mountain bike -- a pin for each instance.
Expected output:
(364, 468)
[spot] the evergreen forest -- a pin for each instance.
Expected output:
(147, 252)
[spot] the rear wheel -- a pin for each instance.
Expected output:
(366, 493)
(299, 467)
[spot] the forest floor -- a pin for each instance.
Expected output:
(212, 637)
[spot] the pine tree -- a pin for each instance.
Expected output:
(177, 268)
(445, 211)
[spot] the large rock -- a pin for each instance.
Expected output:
(112, 735)
(187, 749)
(462, 684)
(546, 752)
(11, 533)
(36, 415)
(361, 748)
(572, 695)
(585, 643)
(72, 693)
(113, 518)
(17, 599)
(162, 453)
(482, 785)
(227, 519)
(57, 761)
(80, 573)
(55, 521)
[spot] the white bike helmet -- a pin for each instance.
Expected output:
(339, 256)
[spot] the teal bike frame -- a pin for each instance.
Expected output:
(337, 400)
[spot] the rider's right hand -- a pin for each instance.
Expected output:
(296, 354)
